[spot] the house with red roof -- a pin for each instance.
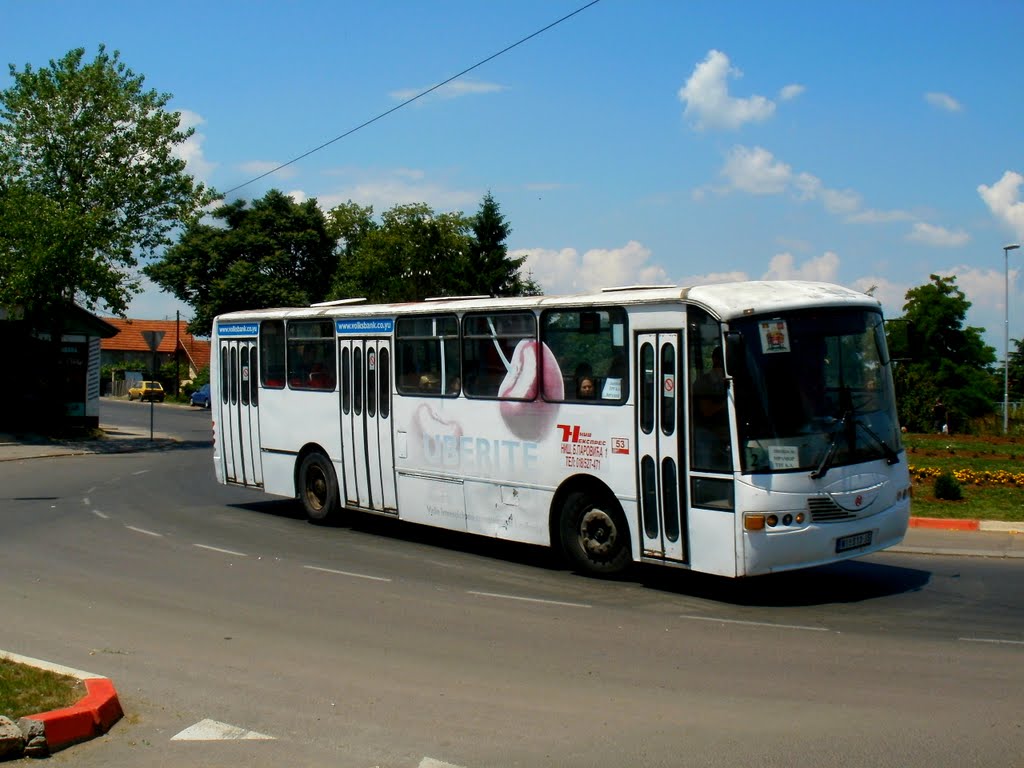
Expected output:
(129, 346)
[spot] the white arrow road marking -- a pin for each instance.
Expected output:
(211, 730)
(429, 762)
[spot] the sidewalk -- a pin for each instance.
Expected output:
(118, 439)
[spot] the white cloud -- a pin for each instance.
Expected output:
(872, 216)
(783, 267)
(943, 101)
(556, 271)
(930, 234)
(1003, 200)
(715, 277)
(384, 189)
(566, 271)
(191, 150)
(790, 92)
(453, 90)
(707, 99)
(892, 295)
(755, 170)
(297, 196)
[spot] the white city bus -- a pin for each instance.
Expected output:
(475, 414)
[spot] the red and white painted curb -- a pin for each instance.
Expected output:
(951, 524)
(92, 715)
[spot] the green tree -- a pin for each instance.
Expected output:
(413, 254)
(939, 358)
(89, 183)
(491, 271)
(1016, 370)
(272, 253)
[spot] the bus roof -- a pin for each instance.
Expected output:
(725, 300)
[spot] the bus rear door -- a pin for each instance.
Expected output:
(661, 472)
(367, 443)
(238, 409)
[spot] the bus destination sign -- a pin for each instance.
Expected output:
(357, 325)
(237, 329)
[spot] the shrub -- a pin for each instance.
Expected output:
(947, 487)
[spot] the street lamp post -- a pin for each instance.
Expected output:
(1006, 334)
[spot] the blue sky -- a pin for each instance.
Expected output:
(640, 141)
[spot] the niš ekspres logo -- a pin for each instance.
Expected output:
(238, 329)
(365, 325)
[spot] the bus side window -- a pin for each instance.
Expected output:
(590, 347)
(428, 355)
(312, 360)
(498, 350)
(272, 353)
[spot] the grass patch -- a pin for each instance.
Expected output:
(989, 467)
(26, 690)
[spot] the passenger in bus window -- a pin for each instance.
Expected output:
(585, 388)
(454, 385)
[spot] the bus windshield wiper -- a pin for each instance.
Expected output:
(826, 460)
(891, 457)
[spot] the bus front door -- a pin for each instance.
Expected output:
(367, 444)
(238, 411)
(659, 431)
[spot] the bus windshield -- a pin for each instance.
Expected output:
(813, 390)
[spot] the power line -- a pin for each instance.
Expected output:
(412, 99)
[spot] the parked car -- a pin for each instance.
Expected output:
(147, 390)
(201, 397)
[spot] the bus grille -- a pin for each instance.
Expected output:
(824, 510)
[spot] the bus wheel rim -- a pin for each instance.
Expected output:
(316, 488)
(598, 533)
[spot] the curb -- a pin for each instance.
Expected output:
(91, 716)
(952, 524)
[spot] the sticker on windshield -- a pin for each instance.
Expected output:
(774, 336)
(783, 457)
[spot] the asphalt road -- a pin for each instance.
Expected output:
(382, 644)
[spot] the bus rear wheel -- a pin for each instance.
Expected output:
(594, 533)
(318, 488)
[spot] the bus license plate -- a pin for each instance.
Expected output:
(855, 541)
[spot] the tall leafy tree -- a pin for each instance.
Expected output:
(272, 253)
(939, 359)
(89, 182)
(413, 254)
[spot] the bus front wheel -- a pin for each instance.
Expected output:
(594, 533)
(318, 487)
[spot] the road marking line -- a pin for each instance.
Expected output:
(141, 472)
(100, 515)
(529, 599)
(86, 501)
(211, 730)
(345, 573)
(222, 551)
(757, 623)
(991, 640)
(143, 530)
